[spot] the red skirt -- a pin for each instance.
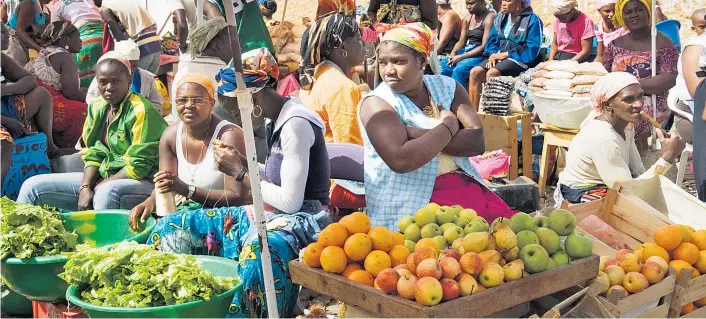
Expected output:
(460, 189)
(69, 116)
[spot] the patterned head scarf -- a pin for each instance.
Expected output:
(53, 32)
(128, 48)
(199, 79)
(603, 3)
(608, 86)
(620, 4)
(346, 7)
(201, 36)
(112, 55)
(327, 34)
(416, 36)
(560, 7)
(259, 69)
(269, 6)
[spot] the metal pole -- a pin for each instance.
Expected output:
(245, 104)
(654, 67)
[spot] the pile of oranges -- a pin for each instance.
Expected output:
(354, 249)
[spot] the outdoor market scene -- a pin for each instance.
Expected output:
(353, 159)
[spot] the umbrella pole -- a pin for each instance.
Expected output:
(654, 68)
(245, 104)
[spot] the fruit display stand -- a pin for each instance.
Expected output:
(480, 304)
(505, 138)
(642, 304)
(688, 290)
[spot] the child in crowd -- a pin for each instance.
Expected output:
(606, 31)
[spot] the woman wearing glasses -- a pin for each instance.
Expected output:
(186, 163)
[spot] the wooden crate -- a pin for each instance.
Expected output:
(478, 305)
(638, 305)
(501, 134)
(688, 290)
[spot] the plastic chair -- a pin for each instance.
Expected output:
(684, 158)
(670, 28)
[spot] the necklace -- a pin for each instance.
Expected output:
(431, 110)
(186, 153)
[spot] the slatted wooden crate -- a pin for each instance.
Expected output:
(641, 305)
(687, 290)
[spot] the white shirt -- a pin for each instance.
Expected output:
(680, 90)
(133, 17)
(148, 90)
(204, 174)
(189, 6)
(206, 65)
(78, 12)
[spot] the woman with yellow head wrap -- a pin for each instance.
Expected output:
(632, 53)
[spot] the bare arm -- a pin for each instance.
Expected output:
(448, 28)
(373, 7)
(690, 64)
(113, 24)
(600, 48)
(586, 47)
(469, 140)
(183, 28)
(463, 37)
(487, 27)
(25, 17)
(428, 10)
(211, 10)
(555, 48)
(68, 72)
(20, 80)
(3, 12)
(233, 192)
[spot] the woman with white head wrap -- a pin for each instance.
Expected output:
(604, 150)
(573, 32)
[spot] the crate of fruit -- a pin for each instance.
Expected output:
(689, 297)
(446, 262)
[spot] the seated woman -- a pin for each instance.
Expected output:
(120, 144)
(573, 32)
(294, 189)
(513, 45)
(449, 27)
(468, 51)
(415, 150)
(604, 150)
(632, 53)
(27, 15)
(606, 30)
(55, 69)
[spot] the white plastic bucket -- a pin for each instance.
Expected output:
(567, 113)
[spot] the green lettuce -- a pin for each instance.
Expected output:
(28, 231)
(131, 275)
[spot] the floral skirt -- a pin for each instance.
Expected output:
(68, 118)
(91, 50)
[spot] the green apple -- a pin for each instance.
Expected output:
(561, 258)
(562, 222)
(541, 221)
(461, 222)
(550, 264)
(441, 240)
(444, 216)
(456, 209)
(430, 231)
(410, 245)
(453, 233)
(520, 222)
(424, 216)
(413, 232)
(549, 239)
(446, 226)
(404, 222)
(525, 238)
(578, 245)
(482, 221)
(468, 214)
(474, 227)
(535, 258)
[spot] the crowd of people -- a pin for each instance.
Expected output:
(84, 76)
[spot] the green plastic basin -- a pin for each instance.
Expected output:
(217, 307)
(36, 278)
(15, 304)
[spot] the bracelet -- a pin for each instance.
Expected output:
(239, 178)
(448, 128)
(83, 186)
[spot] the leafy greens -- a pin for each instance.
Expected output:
(28, 231)
(131, 275)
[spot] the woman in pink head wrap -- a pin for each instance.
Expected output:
(604, 150)
(606, 31)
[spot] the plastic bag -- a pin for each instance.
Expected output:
(492, 164)
(559, 75)
(595, 226)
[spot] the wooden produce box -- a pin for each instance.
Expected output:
(641, 305)
(501, 134)
(687, 290)
(478, 305)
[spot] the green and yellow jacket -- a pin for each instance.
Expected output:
(133, 138)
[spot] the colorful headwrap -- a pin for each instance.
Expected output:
(620, 4)
(602, 3)
(199, 79)
(128, 48)
(560, 7)
(53, 32)
(608, 86)
(112, 55)
(270, 6)
(346, 7)
(326, 34)
(416, 36)
(259, 69)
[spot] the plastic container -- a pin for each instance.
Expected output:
(217, 307)
(567, 113)
(670, 28)
(29, 158)
(42, 310)
(165, 203)
(15, 304)
(36, 278)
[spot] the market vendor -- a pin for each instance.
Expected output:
(604, 151)
(449, 27)
(187, 166)
(295, 184)
(573, 32)
(606, 29)
(419, 131)
(119, 149)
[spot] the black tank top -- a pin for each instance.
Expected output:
(475, 36)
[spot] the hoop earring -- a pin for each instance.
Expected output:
(257, 107)
(66, 47)
(345, 53)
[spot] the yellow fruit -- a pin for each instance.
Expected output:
(476, 242)
(428, 242)
(669, 237)
(350, 269)
(678, 265)
(381, 238)
(397, 238)
(358, 246)
(376, 262)
(333, 259)
(362, 277)
(505, 238)
(311, 256)
(490, 256)
(652, 249)
(333, 235)
(687, 308)
(698, 238)
(686, 233)
(701, 264)
(398, 255)
(356, 223)
(687, 252)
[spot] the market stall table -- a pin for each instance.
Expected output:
(553, 137)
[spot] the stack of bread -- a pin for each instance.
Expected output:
(287, 39)
(566, 79)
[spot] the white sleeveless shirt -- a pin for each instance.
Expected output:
(204, 174)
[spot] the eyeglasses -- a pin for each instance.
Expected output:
(197, 101)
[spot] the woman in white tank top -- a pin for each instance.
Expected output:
(186, 163)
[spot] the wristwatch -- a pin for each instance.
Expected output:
(192, 189)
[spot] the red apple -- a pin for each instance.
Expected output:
(471, 263)
(406, 286)
(387, 280)
(450, 289)
(450, 268)
(450, 252)
(429, 268)
(428, 291)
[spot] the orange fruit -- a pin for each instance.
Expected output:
(333, 235)
(312, 255)
(687, 308)
(358, 246)
(356, 223)
(678, 265)
(700, 303)
(362, 277)
(429, 243)
(652, 249)
(410, 264)
(376, 262)
(381, 238)
(701, 264)
(669, 237)
(333, 259)
(398, 255)
(698, 238)
(687, 252)
(397, 238)
(688, 230)
(350, 268)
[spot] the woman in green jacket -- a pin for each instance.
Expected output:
(120, 144)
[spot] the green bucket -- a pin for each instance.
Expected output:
(36, 278)
(15, 304)
(217, 307)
